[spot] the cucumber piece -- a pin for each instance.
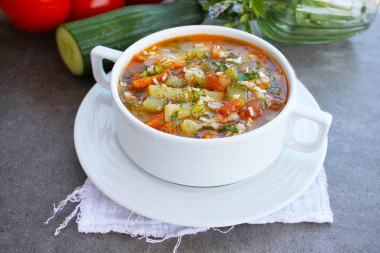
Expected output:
(216, 95)
(208, 66)
(237, 90)
(119, 29)
(154, 104)
(168, 92)
(175, 82)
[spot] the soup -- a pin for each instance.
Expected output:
(203, 86)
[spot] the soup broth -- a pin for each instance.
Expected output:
(203, 86)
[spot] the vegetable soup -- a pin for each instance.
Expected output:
(203, 86)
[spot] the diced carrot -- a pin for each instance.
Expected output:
(157, 122)
(138, 58)
(232, 106)
(209, 135)
(149, 80)
(178, 65)
(215, 54)
(217, 83)
(263, 85)
(224, 80)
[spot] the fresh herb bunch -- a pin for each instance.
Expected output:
(236, 12)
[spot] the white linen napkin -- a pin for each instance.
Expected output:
(96, 213)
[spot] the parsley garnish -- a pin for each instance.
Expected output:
(141, 115)
(174, 117)
(248, 76)
(263, 103)
(181, 103)
(274, 90)
(130, 104)
(227, 128)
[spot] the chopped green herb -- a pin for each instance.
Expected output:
(232, 57)
(144, 74)
(181, 103)
(242, 77)
(141, 115)
(130, 104)
(251, 75)
(248, 76)
(274, 90)
(174, 117)
(263, 103)
(209, 115)
(227, 128)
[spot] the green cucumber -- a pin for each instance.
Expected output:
(238, 90)
(119, 29)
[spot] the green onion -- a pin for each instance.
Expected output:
(167, 65)
(195, 95)
(195, 113)
(158, 69)
(197, 110)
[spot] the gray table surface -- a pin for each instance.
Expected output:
(39, 99)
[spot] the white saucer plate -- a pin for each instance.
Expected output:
(113, 173)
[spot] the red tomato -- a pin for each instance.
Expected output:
(143, 1)
(256, 108)
(217, 83)
(36, 15)
(88, 8)
(231, 106)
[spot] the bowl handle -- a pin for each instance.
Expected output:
(323, 121)
(99, 53)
